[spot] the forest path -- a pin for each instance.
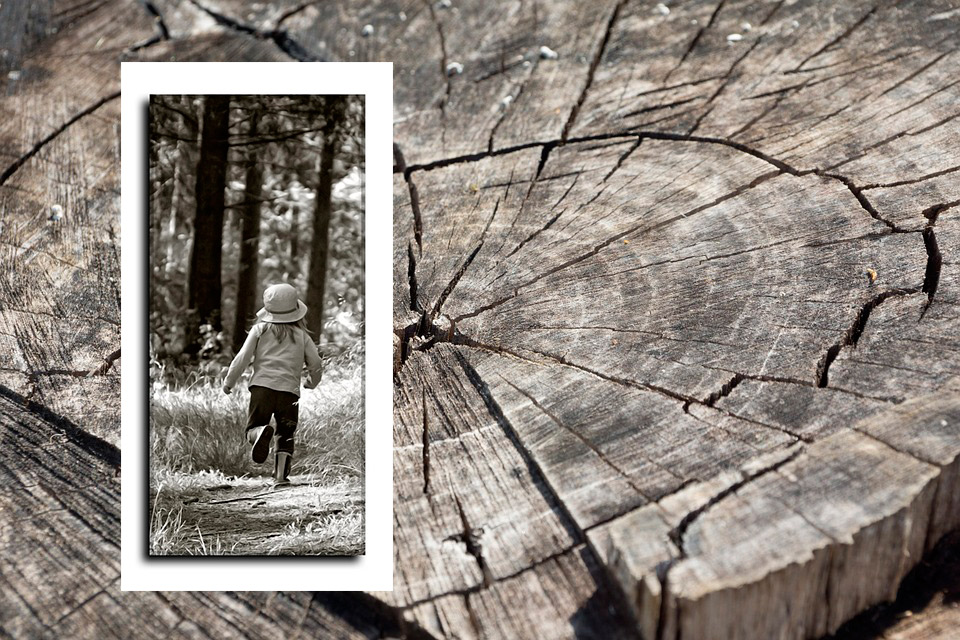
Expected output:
(252, 516)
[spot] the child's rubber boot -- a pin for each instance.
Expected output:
(260, 439)
(281, 469)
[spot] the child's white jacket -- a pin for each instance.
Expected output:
(276, 365)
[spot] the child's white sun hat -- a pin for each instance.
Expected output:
(281, 304)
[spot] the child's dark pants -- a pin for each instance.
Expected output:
(266, 403)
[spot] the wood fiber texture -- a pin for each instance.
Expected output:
(676, 314)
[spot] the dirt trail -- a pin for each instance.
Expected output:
(250, 516)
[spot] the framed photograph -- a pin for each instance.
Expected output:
(256, 297)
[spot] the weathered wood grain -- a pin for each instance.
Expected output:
(652, 257)
(60, 144)
(471, 506)
(830, 529)
(926, 605)
(59, 555)
(855, 88)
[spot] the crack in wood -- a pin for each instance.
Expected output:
(280, 37)
(479, 588)
(861, 198)
(463, 268)
(289, 13)
(549, 224)
(35, 149)
(653, 135)
(412, 280)
(723, 85)
(838, 39)
(660, 107)
(678, 533)
(623, 158)
(916, 73)
(677, 536)
(444, 71)
(693, 43)
(922, 100)
(71, 15)
(724, 390)
(900, 183)
(594, 64)
(470, 537)
(163, 33)
(933, 212)
(931, 276)
(852, 335)
(401, 164)
(506, 103)
(787, 380)
(587, 442)
(455, 337)
(680, 85)
(550, 495)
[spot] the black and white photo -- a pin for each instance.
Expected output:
(256, 292)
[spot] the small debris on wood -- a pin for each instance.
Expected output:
(662, 9)
(367, 31)
(56, 213)
(443, 4)
(734, 37)
(506, 102)
(745, 26)
(454, 69)
(872, 275)
(547, 53)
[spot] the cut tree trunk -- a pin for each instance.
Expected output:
(676, 316)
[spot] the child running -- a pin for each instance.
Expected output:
(279, 346)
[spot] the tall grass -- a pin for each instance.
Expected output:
(194, 426)
(197, 447)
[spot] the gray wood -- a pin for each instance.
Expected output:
(632, 293)
(832, 528)
(59, 554)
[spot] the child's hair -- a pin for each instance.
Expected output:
(284, 330)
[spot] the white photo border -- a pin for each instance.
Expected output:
(374, 570)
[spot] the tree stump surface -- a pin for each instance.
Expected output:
(675, 313)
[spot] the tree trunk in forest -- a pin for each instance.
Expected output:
(249, 241)
(295, 239)
(175, 202)
(205, 284)
(317, 277)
